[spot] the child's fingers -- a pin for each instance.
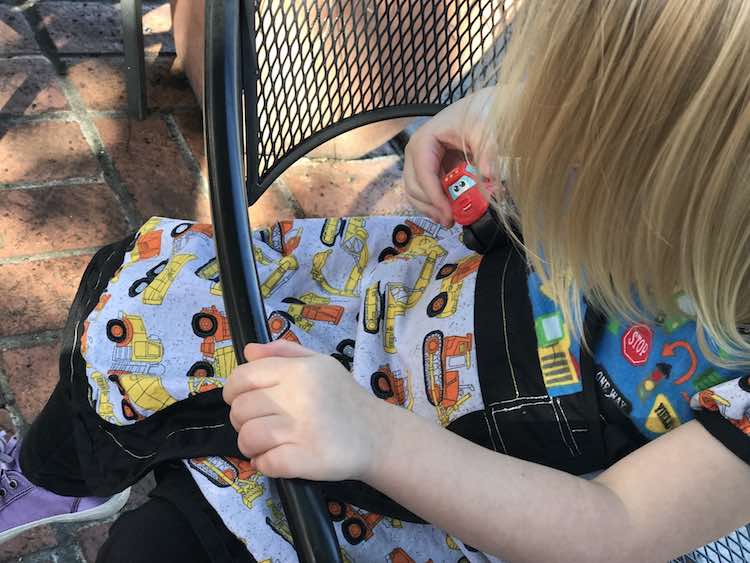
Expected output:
(257, 436)
(276, 349)
(251, 405)
(423, 158)
(261, 374)
(281, 462)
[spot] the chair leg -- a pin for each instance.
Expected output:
(135, 64)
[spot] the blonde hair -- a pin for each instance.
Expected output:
(629, 166)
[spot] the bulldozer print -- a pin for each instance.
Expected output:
(231, 472)
(443, 358)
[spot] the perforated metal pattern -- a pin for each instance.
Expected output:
(734, 548)
(326, 65)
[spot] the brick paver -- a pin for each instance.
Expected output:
(154, 169)
(44, 151)
(36, 294)
(101, 83)
(28, 85)
(76, 173)
(58, 218)
(81, 27)
(15, 34)
(32, 374)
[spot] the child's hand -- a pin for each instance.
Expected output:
(300, 414)
(438, 146)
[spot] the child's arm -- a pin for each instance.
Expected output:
(680, 491)
(300, 414)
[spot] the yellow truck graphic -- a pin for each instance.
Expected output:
(354, 243)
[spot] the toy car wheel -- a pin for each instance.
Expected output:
(158, 269)
(179, 229)
(346, 347)
(138, 287)
(381, 385)
(204, 325)
(744, 383)
(445, 271)
(117, 331)
(353, 530)
(462, 559)
(201, 369)
(402, 236)
(438, 304)
(386, 253)
(336, 510)
(293, 301)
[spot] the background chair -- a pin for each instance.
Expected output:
(284, 76)
(135, 64)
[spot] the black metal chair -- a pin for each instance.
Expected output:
(284, 76)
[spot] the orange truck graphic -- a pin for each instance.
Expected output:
(356, 525)
(445, 303)
(280, 326)
(388, 386)
(443, 357)
(146, 244)
(212, 326)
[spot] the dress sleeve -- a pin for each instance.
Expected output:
(724, 410)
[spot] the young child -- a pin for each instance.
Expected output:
(421, 382)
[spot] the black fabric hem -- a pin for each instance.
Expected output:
(735, 440)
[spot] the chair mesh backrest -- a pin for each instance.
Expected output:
(314, 68)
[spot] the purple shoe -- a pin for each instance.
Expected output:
(23, 505)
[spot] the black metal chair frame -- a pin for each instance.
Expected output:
(238, 179)
(231, 68)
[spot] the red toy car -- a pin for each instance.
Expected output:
(461, 185)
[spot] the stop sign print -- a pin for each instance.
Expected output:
(636, 344)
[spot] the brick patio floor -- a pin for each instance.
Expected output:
(76, 173)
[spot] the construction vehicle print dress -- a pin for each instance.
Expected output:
(470, 342)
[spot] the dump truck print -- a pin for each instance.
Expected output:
(135, 351)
